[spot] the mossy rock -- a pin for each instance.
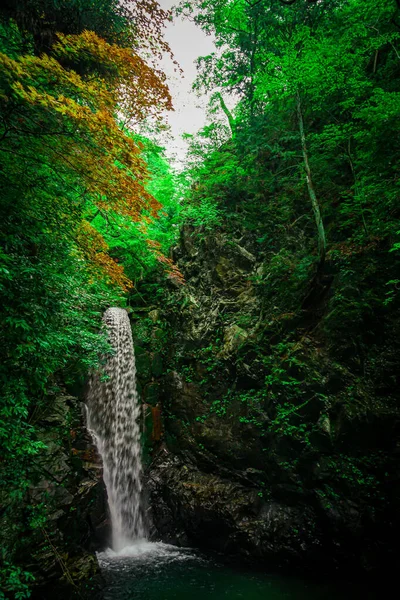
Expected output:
(143, 363)
(142, 331)
(147, 441)
(139, 388)
(159, 334)
(154, 315)
(234, 337)
(157, 365)
(151, 393)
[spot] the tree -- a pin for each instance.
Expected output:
(329, 67)
(64, 154)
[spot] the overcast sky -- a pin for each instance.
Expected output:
(187, 43)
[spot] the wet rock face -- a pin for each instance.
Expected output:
(243, 465)
(281, 526)
(206, 509)
(149, 339)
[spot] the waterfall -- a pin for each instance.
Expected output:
(113, 418)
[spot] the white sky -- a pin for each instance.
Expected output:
(187, 42)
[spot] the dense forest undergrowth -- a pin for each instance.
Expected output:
(269, 268)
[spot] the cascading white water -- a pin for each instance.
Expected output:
(113, 418)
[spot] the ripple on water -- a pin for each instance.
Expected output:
(156, 571)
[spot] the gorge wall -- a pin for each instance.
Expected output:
(279, 435)
(63, 518)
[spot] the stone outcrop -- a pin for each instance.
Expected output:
(66, 505)
(279, 468)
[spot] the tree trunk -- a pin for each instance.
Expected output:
(311, 192)
(228, 114)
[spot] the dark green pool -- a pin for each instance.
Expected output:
(155, 571)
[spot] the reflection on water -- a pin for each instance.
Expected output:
(157, 571)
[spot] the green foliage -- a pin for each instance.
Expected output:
(51, 315)
(64, 160)
(14, 580)
(131, 242)
(336, 61)
(342, 60)
(288, 422)
(202, 213)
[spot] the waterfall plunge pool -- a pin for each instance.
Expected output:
(156, 571)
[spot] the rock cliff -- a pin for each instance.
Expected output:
(278, 442)
(63, 518)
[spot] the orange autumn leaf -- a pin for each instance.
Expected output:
(104, 160)
(95, 250)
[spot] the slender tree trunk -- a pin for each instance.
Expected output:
(356, 186)
(254, 42)
(311, 192)
(228, 114)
